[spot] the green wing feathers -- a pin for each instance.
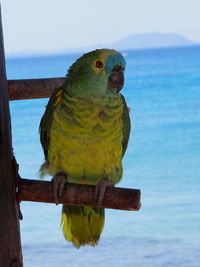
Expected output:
(126, 124)
(45, 126)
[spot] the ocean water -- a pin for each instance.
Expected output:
(163, 160)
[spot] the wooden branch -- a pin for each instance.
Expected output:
(33, 88)
(74, 194)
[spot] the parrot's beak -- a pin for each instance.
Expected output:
(116, 78)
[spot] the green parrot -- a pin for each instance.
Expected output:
(84, 133)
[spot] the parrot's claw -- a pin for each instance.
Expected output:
(100, 191)
(59, 180)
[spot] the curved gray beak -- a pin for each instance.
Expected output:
(116, 78)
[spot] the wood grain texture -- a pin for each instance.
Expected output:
(80, 195)
(10, 245)
(33, 88)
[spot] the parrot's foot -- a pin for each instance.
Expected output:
(59, 180)
(100, 191)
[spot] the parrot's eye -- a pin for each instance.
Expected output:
(99, 64)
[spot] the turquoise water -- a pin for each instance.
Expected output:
(163, 160)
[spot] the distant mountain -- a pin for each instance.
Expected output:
(135, 41)
(152, 40)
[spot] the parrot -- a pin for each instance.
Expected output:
(84, 133)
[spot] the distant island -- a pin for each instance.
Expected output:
(132, 42)
(141, 41)
(152, 40)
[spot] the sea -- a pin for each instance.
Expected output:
(162, 89)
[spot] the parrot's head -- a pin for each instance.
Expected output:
(97, 73)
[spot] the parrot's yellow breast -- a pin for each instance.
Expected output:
(86, 139)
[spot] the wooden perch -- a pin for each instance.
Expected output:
(33, 88)
(74, 194)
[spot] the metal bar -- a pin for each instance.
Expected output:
(80, 195)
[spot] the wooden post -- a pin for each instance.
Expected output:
(10, 245)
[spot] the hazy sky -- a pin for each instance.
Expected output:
(60, 24)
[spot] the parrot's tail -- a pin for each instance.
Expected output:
(82, 225)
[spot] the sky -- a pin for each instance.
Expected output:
(53, 25)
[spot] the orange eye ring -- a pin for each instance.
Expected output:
(99, 64)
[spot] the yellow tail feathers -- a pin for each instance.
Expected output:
(82, 225)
